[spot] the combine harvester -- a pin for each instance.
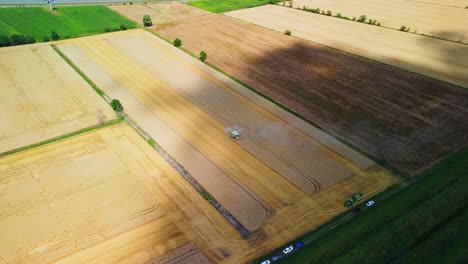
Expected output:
(235, 132)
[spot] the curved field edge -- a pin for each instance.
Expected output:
(220, 6)
(67, 21)
(410, 218)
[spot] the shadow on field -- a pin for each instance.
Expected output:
(406, 120)
(448, 51)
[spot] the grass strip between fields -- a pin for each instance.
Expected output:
(402, 226)
(61, 137)
(91, 83)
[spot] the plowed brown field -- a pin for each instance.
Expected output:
(42, 97)
(433, 20)
(406, 119)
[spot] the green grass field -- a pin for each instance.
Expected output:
(219, 6)
(423, 223)
(70, 21)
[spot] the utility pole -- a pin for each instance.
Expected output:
(50, 5)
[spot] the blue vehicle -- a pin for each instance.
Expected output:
(298, 244)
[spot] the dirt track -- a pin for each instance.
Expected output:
(433, 20)
(42, 97)
(160, 13)
(369, 104)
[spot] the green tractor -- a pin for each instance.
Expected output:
(356, 198)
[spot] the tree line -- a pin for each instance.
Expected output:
(15, 39)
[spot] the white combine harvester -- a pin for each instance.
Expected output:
(235, 132)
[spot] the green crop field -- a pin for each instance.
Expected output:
(219, 6)
(423, 223)
(70, 21)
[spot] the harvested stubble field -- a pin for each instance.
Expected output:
(433, 20)
(264, 201)
(160, 13)
(42, 97)
(93, 193)
(406, 119)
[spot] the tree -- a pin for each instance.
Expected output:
(203, 56)
(116, 105)
(287, 32)
(147, 21)
(177, 42)
(362, 18)
(54, 35)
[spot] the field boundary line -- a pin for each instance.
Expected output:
(61, 137)
(168, 158)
